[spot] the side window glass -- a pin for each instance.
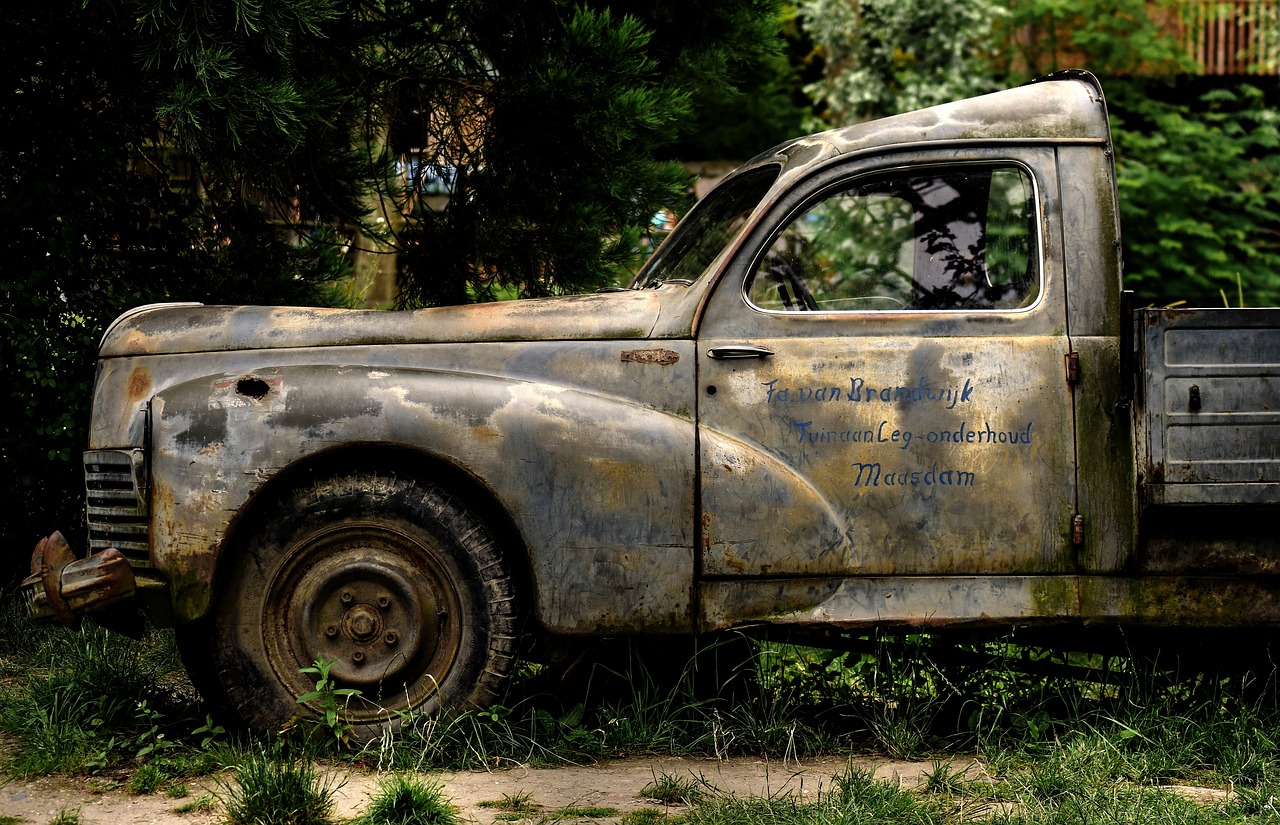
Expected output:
(950, 239)
(699, 238)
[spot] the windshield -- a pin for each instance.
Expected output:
(698, 239)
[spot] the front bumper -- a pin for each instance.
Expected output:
(62, 587)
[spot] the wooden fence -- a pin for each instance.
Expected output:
(1232, 37)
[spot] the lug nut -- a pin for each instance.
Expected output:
(346, 597)
(384, 602)
(358, 657)
(331, 631)
(391, 637)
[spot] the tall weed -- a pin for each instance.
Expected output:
(270, 789)
(407, 800)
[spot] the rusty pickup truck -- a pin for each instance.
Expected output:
(880, 376)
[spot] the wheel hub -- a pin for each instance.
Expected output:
(374, 609)
(362, 623)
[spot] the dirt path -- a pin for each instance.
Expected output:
(612, 784)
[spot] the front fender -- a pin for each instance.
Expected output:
(600, 489)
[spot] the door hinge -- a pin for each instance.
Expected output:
(1077, 530)
(1073, 368)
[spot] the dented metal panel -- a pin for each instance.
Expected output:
(599, 487)
(1210, 416)
(1060, 112)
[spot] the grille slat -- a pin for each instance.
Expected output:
(116, 503)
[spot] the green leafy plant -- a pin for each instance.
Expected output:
(210, 732)
(146, 779)
(151, 741)
(331, 700)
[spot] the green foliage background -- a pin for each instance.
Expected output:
(159, 150)
(1196, 164)
(93, 227)
(167, 150)
(1199, 193)
(1195, 158)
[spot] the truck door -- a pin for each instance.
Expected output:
(881, 377)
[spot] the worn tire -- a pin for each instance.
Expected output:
(393, 579)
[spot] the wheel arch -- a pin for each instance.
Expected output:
(390, 459)
(389, 576)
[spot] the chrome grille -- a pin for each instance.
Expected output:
(116, 499)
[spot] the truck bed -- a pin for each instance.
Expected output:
(1208, 406)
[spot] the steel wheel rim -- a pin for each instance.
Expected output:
(377, 601)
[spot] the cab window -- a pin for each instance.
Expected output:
(959, 238)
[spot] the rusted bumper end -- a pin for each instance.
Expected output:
(62, 587)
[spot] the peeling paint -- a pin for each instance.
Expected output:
(662, 357)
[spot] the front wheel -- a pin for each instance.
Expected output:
(393, 581)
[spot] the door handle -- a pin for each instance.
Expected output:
(739, 351)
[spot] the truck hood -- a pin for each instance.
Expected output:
(186, 328)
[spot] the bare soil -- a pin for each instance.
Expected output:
(617, 784)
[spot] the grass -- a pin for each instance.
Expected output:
(583, 812)
(203, 803)
(87, 699)
(650, 816)
(146, 779)
(675, 790)
(1057, 736)
(272, 790)
(406, 800)
(855, 797)
(520, 802)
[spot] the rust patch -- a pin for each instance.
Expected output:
(662, 357)
(139, 384)
(62, 587)
(249, 391)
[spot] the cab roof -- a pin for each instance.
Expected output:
(1066, 107)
